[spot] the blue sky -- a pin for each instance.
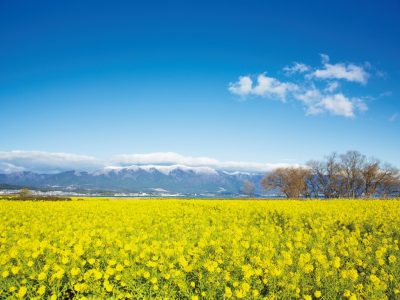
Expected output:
(101, 79)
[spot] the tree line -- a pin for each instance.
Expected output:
(348, 175)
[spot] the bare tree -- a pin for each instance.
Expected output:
(290, 181)
(325, 177)
(25, 192)
(316, 180)
(351, 164)
(370, 172)
(352, 175)
(334, 183)
(248, 188)
(389, 181)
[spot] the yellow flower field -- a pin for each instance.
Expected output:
(200, 249)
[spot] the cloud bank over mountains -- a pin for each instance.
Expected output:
(50, 162)
(45, 162)
(317, 89)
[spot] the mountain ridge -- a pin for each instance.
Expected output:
(141, 179)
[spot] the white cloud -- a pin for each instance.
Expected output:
(265, 87)
(349, 71)
(317, 102)
(9, 168)
(251, 166)
(332, 86)
(48, 162)
(162, 158)
(242, 87)
(316, 95)
(171, 158)
(338, 104)
(45, 162)
(269, 86)
(311, 99)
(296, 68)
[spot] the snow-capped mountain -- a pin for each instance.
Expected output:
(141, 178)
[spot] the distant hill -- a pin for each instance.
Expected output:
(175, 179)
(4, 186)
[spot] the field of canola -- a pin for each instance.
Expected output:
(200, 249)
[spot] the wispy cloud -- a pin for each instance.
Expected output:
(319, 90)
(394, 117)
(343, 71)
(46, 162)
(171, 158)
(162, 158)
(6, 167)
(265, 87)
(338, 104)
(49, 162)
(332, 86)
(296, 68)
(385, 94)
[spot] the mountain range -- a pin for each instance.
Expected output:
(147, 179)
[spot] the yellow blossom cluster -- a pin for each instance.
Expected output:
(200, 249)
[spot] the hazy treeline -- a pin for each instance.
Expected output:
(348, 175)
